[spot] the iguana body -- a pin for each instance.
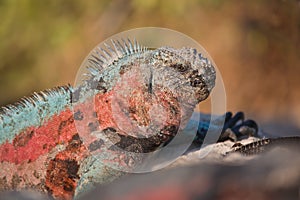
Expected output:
(129, 91)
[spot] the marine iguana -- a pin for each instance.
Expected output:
(133, 99)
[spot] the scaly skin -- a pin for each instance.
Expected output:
(59, 141)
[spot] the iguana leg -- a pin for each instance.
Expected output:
(235, 128)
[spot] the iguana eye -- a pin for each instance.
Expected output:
(196, 80)
(196, 83)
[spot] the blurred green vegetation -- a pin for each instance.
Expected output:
(254, 43)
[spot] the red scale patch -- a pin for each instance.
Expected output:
(33, 142)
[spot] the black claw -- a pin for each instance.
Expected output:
(246, 128)
(228, 134)
(251, 123)
(230, 123)
(239, 116)
(228, 116)
(233, 127)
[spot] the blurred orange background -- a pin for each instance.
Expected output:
(255, 45)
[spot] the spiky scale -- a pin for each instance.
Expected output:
(115, 56)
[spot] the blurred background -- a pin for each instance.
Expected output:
(255, 45)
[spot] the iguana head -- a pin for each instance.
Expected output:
(191, 67)
(146, 93)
